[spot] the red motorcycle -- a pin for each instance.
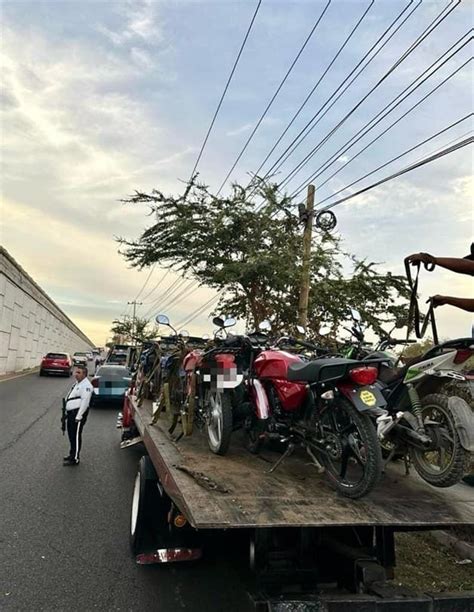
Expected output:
(322, 405)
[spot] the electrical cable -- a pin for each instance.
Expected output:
(282, 82)
(280, 138)
(225, 89)
(414, 166)
(428, 30)
(156, 286)
(171, 290)
(196, 313)
(397, 157)
(380, 116)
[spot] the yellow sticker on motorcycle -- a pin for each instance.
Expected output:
(368, 398)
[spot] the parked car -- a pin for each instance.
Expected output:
(56, 363)
(110, 383)
(79, 358)
(116, 359)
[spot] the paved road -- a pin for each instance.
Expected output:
(64, 531)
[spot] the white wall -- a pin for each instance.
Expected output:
(31, 324)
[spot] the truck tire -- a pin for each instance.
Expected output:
(145, 504)
(458, 463)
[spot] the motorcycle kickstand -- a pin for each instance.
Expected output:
(389, 458)
(406, 459)
(289, 451)
(315, 462)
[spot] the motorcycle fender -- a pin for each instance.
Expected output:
(368, 398)
(464, 421)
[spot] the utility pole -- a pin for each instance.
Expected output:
(135, 304)
(307, 216)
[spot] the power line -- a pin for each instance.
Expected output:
(226, 88)
(398, 156)
(196, 313)
(380, 116)
(426, 160)
(280, 138)
(145, 283)
(292, 65)
(156, 286)
(175, 286)
(428, 30)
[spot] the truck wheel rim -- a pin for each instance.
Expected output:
(135, 503)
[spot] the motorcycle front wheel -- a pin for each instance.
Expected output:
(446, 463)
(219, 421)
(354, 459)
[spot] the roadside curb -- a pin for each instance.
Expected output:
(12, 375)
(462, 548)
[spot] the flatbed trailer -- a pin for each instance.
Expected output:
(339, 552)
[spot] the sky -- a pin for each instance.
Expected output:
(100, 99)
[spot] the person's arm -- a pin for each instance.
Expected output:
(463, 303)
(461, 266)
(86, 393)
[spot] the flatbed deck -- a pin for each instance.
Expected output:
(236, 491)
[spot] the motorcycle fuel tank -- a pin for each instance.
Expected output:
(273, 365)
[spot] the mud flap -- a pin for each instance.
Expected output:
(365, 398)
(464, 421)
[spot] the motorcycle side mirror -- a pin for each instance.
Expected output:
(355, 314)
(218, 321)
(265, 325)
(162, 319)
(301, 330)
(184, 333)
(229, 322)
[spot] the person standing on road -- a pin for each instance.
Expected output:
(77, 409)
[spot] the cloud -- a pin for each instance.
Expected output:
(139, 24)
(240, 130)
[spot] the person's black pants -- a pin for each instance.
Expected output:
(74, 431)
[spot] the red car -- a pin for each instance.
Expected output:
(56, 362)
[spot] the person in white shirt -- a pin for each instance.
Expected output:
(77, 409)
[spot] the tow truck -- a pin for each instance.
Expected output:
(308, 547)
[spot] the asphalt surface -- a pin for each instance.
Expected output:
(64, 531)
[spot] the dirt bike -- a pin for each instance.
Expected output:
(424, 424)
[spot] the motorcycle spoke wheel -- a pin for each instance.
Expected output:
(219, 421)
(446, 461)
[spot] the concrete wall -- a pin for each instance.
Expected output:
(31, 324)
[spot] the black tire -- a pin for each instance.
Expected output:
(145, 506)
(219, 423)
(70, 372)
(344, 412)
(42, 373)
(459, 461)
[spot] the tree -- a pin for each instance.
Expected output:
(130, 332)
(253, 251)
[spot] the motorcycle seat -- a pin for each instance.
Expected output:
(321, 370)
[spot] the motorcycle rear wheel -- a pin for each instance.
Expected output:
(354, 463)
(447, 464)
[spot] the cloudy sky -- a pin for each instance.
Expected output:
(101, 98)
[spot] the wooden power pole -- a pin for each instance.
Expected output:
(306, 269)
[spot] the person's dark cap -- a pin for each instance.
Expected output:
(471, 254)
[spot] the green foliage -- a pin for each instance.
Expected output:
(130, 332)
(250, 245)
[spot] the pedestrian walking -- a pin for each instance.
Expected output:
(77, 408)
